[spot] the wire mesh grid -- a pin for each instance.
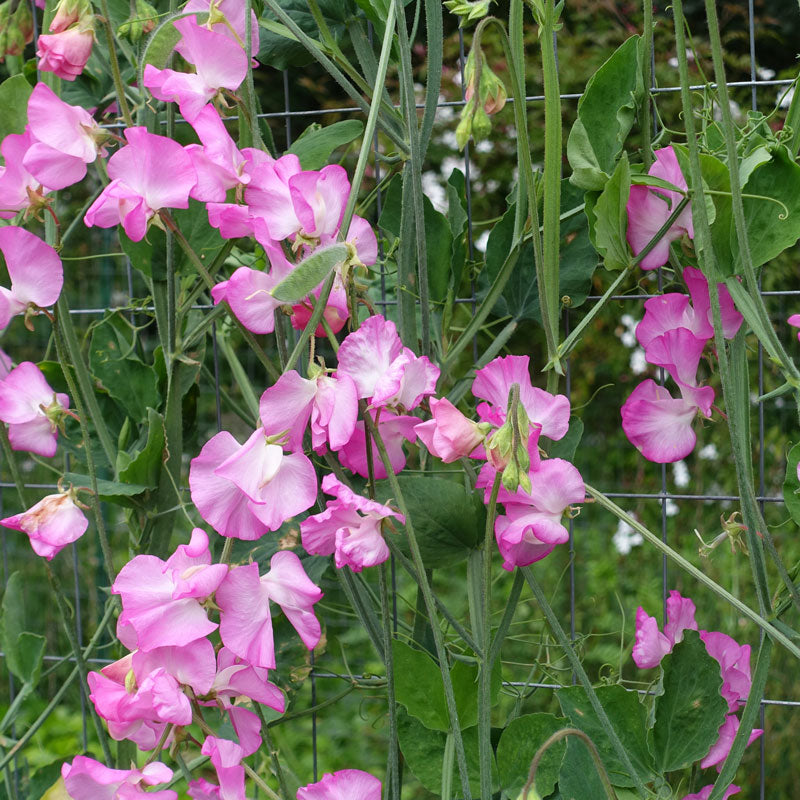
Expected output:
(661, 498)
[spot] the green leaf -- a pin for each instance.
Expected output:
(690, 711)
(280, 50)
(608, 218)
(43, 779)
(791, 486)
(309, 273)
(126, 378)
(518, 745)
(457, 218)
(23, 650)
(565, 448)
(161, 44)
(579, 779)
(29, 654)
(14, 94)
(316, 144)
(605, 115)
(142, 464)
(627, 717)
(448, 520)
(423, 750)
(112, 491)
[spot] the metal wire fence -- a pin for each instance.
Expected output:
(293, 119)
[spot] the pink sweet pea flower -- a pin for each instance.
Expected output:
(330, 403)
(18, 188)
(245, 619)
(36, 273)
(705, 793)
(65, 53)
(151, 172)
(277, 485)
(651, 645)
(201, 789)
(346, 784)
(531, 526)
(237, 677)
(794, 321)
(449, 435)
(336, 310)
(318, 199)
(31, 409)
(232, 26)
(394, 430)
(226, 756)
(350, 527)
(220, 62)
(67, 139)
(217, 161)
(650, 207)
(384, 370)
(666, 312)
(658, 425)
(87, 779)
(493, 384)
(53, 523)
(268, 196)
(161, 601)
(734, 663)
(720, 749)
(698, 289)
(194, 664)
(248, 294)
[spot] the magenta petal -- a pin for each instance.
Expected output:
(651, 645)
(220, 61)
(34, 267)
(248, 294)
(346, 784)
(64, 127)
(698, 289)
(286, 407)
(52, 168)
(366, 354)
(227, 758)
(680, 617)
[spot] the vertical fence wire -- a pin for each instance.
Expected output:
(664, 497)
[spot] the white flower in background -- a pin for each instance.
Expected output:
(680, 474)
(765, 74)
(671, 508)
(435, 192)
(708, 453)
(785, 97)
(638, 362)
(626, 538)
(482, 241)
(628, 336)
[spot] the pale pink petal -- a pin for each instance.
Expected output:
(253, 465)
(651, 645)
(187, 89)
(720, 749)
(394, 430)
(319, 199)
(193, 665)
(346, 784)
(227, 758)
(220, 61)
(366, 354)
(65, 53)
(449, 435)
(680, 617)
(335, 411)
(665, 312)
(34, 267)
(698, 289)
(291, 491)
(248, 294)
(286, 408)
(51, 167)
(60, 125)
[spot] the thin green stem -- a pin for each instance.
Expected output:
(273, 754)
(485, 676)
(508, 616)
(11, 461)
(577, 667)
(692, 570)
(430, 606)
(394, 746)
(647, 76)
(119, 86)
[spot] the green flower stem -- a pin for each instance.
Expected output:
(11, 461)
(250, 89)
(273, 754)
(430, 605)
(508, 616)
(61, 350)
(119, 87)
(85, 381)
(447, 768)
(557, 737)
(390, 124)
(393, 766)
(696, 573)
(412, 185)
(747, 722)
(435, 60)
(485, 676)
(66, 684)
(577, 667)
(647, 78)
(736, 404)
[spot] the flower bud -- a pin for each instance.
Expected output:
(71, 12)
(468, 10)
(141, 21)
(22, 20)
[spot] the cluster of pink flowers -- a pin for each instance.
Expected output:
(66, 49)
(675, 329)
(734, 662)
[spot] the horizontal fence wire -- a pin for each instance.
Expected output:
(663, 497)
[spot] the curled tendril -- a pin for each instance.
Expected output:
(782, 216)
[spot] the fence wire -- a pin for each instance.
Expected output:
(294, 118)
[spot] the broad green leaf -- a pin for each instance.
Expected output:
(309, 273)
(281, 51)
(44, 781)
(579, 779)
(690, 711)
(457, 218)
(14, 94)
(112, 491)
(627, 717)
(518, 745)
(605, 115)
(423, 751)
(126, 378)
(27, 661)
(448, 520)
(791, 486)
(609, 218)
(317, 143)
(565, 448)
(161, 44)
(142, 463)
(23, 650)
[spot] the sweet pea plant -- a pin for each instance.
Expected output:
(341, 431)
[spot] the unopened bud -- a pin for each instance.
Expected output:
(468, 10)
(22, 20)
(141, 22)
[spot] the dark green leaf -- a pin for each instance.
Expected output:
(309, 273)
(565, 448)
(609, 218)
(457, 217)
(448, 520)
(579, 779)
(281, 51)
(131, 382)
(142, 463)
(27, 661)
(23, 650)
(691, 710)
(113, 491)
(791, 486)
(627, 717)
(518, 744)
(423, 750)
(605, 115)
(317, 143)
(14, 94)
(43, 779)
